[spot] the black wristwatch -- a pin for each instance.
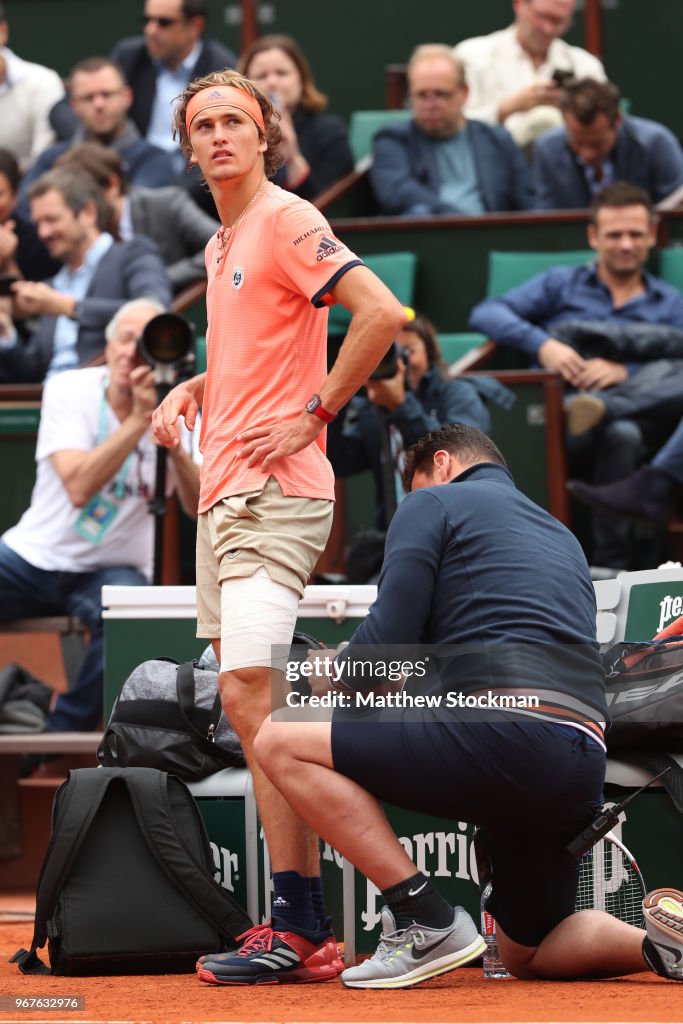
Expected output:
(315, 407)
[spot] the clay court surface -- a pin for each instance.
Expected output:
(460, 996)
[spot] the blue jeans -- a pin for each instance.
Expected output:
(26, 592)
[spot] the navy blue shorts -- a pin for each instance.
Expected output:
(531, 786)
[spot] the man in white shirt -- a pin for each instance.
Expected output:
(27, 94)
(88, 523)
(510, 72)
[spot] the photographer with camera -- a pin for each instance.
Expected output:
(406, 397)
(89, 521)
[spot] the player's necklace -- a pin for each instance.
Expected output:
(225, 233)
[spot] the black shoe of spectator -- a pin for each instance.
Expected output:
(643, 496)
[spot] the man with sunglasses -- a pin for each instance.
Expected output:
(172, 51)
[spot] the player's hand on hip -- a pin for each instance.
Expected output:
(264, 445)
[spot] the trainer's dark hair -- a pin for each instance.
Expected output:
(78, 189)
(3, 16)
(585, 99)
(468, 444)
(10, 168)
(621, 193)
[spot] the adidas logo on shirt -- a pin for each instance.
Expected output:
(327, 247)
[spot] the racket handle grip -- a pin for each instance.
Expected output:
(593, 833)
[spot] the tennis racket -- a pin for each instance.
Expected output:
(610, 880)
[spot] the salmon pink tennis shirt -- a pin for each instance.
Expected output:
(268, 289)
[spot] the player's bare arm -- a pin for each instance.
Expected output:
(376, 318)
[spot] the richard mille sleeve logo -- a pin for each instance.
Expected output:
(237, 278)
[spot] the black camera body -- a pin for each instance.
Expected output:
(388, 367)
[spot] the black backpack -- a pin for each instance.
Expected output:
(127, 884)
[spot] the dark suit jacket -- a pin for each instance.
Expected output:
(404, 170)
(178, 226)
(128, 270)
(324, 142)
(140, 73)
(646, 154)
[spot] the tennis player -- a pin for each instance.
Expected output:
(500, 590)
(266, 485)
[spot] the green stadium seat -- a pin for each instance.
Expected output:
(397, 271)
(200, 354)
(455, 346)
(508, 269)
(364, 124)
(671, 266)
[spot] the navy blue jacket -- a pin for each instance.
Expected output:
(404, 169)
(646, 154)
(477, 562)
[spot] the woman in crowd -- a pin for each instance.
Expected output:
(315, 144)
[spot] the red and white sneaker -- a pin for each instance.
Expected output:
(268, 957)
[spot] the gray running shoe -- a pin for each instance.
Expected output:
(416, 953)
(663, 947)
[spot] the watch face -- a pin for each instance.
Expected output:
(313, 403)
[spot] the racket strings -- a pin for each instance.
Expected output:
(610, 880)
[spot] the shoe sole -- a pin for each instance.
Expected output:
(299, 976)
(583, 414)
(431, 970)
(667, 922)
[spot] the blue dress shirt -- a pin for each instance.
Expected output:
(523, 317)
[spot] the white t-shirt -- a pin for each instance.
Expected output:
(496, 66)
(71, 416)
(26, 100)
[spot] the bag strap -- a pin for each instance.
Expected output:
(186, 696)
(76, 803)
(614, 660)
(148, 790)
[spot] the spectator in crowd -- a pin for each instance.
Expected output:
(456, 585)
(27, 94)
(22, 254)
(101, 100)
(598, 145)
(315, 146)
(158, 65)
(515, 74)
(440, 162)
(167, 215)
(614, 292)
(98, 277)
(396, 411)
(644, 495)
(88, 523)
